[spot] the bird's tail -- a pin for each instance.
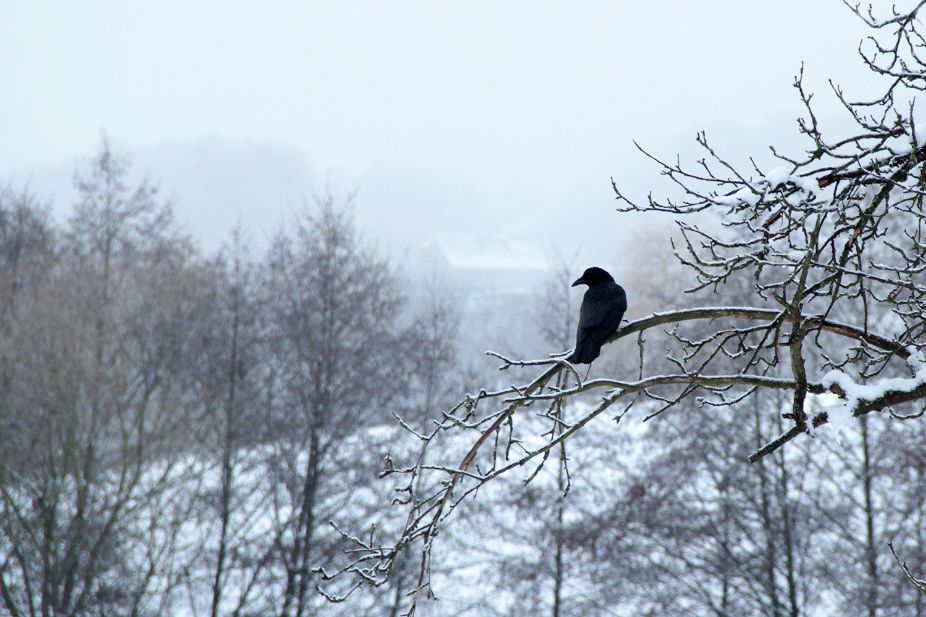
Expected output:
(587, 350)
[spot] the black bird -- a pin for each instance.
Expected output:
(602, 310)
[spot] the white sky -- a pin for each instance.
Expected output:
(447, 117)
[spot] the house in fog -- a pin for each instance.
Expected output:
(484, 265)
(497, 282)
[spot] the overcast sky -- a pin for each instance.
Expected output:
(478, 117)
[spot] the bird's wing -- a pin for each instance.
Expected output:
(601, 312)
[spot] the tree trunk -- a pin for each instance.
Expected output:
(227, 470)
(788, 534)
(871, 554)
(771, 557)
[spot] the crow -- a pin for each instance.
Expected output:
(602, 310)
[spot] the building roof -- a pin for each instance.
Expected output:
(471, 252)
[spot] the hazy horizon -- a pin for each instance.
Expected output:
(484, 119)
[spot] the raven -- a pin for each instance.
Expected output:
(602, 310)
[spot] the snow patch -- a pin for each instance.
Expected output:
(779, 175)
(919, 134)
(771, 179)
(856, 393)
(745, 195)
(838, 412)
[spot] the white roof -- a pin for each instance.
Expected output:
(488, 253)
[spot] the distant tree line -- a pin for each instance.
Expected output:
(178, 428)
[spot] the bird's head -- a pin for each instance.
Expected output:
(594, 276)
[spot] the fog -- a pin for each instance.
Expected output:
(490, 119)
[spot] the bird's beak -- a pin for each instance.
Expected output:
(581, 281)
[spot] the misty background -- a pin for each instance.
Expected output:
(502, 120)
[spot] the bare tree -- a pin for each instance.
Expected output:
(28, 247)
(227, 368)
(96, 346)
(339, 367)
(832, 245)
